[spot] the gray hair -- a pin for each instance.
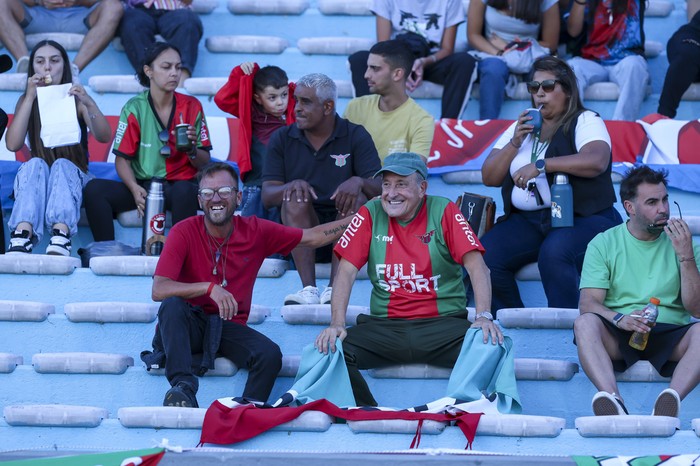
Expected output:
(323, 85)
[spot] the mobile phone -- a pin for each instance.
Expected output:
(517, 45)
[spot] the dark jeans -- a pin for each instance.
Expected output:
(454, 72)
(182, 330)
(683, 50)
(182, 28)
(380, 342)
(527, 237)
(103, 199)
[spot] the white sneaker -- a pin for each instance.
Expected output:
(23, 64)
(605, 404)
(307, 295)
(59, 244)
(668, 403)
(326, 295)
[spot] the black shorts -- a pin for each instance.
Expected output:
(663, 339)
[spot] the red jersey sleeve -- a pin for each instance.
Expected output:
(172, 258)
(354, 245)
(459, 236)
(128, 136)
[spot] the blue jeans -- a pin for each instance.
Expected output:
(46, 196)
(630, 74)
(251, 205)
(526, 237)
(493, 76)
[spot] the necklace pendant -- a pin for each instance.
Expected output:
(224, 283)
(213, 272)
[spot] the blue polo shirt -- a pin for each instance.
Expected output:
(348, 152)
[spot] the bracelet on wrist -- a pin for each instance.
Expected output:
(434, 58)
(513, 144)
(211, 287)
(687, 259)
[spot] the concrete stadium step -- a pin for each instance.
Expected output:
(81, 363)
(397, 426)
(696, 426)
(641, 371)
(9, 362)
(627, 426)
(246, 44)
(111, 312)
(525, 369)
(27, 311)
(146, 266)
(267, 7)
(537, 317)
(54, 415)
(161, 417)
(345, 7)
(520, 425)
(222, 368)
(333, 45)
(39, 264)
(70, 41)
(317, 314)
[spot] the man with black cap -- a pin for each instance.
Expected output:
(415, 246)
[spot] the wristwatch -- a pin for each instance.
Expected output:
(540, 165)
(485, 314)
(618, 317)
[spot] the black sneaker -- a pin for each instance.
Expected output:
(20, 241)
(59, 244)
(181, 395)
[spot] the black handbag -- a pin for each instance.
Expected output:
(478, 210)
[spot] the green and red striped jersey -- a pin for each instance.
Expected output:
(416, 268)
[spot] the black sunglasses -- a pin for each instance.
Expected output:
(163, 137)
(547, 85)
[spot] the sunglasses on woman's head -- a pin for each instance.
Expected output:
(163, 137)
(547, 85)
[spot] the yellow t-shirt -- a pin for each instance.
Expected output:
(409, 128)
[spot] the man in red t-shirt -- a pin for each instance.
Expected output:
(205, 279)
(414, 246)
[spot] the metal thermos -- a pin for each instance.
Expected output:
(562, 202)
(153, 236)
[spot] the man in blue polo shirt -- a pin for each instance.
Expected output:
(317, 170)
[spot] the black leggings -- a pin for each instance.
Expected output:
(104, 199)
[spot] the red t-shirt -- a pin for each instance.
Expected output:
(189, 254)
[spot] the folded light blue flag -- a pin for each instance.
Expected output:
(485, 369)
(323, 376)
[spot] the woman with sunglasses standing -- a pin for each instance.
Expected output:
(145, 146)
(572, 141)
(48, 187)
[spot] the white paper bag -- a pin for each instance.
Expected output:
(59, 116)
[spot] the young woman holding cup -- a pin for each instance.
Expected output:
(572, 141)
(151, 141)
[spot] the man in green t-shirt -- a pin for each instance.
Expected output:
(651, 255)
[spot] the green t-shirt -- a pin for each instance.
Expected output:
(632, 271)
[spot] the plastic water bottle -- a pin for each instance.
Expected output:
(638, 340)
(153, 236)
(562, 202)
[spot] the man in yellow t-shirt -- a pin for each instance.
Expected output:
(393, 119)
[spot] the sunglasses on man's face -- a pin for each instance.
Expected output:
(547, 85)
(163, 137)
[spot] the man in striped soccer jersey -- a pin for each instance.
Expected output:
(415, 246)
